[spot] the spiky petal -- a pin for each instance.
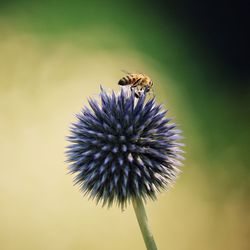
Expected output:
(123, 147)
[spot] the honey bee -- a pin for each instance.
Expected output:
(137, 81)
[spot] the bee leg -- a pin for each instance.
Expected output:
(132, 89)
(137, 92)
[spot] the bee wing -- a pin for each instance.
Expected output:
(125, 71)
(139, 72)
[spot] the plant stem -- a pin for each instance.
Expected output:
(143, 223)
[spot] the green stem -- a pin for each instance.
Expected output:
(143, 223)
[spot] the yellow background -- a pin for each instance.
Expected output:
(44, 80)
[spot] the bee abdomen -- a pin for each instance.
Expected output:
(124, 81)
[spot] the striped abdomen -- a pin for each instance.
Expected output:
(129, 80)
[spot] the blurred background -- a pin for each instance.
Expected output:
(54, 54)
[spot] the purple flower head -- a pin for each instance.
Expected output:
(123, 148)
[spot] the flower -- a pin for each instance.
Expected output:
(123, 148)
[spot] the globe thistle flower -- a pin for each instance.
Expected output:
(123, 148)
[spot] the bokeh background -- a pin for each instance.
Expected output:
(54, 54)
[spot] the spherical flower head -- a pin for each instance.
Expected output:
(123, 148)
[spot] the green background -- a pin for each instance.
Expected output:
(53, 55)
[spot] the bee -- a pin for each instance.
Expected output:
(137, 81)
